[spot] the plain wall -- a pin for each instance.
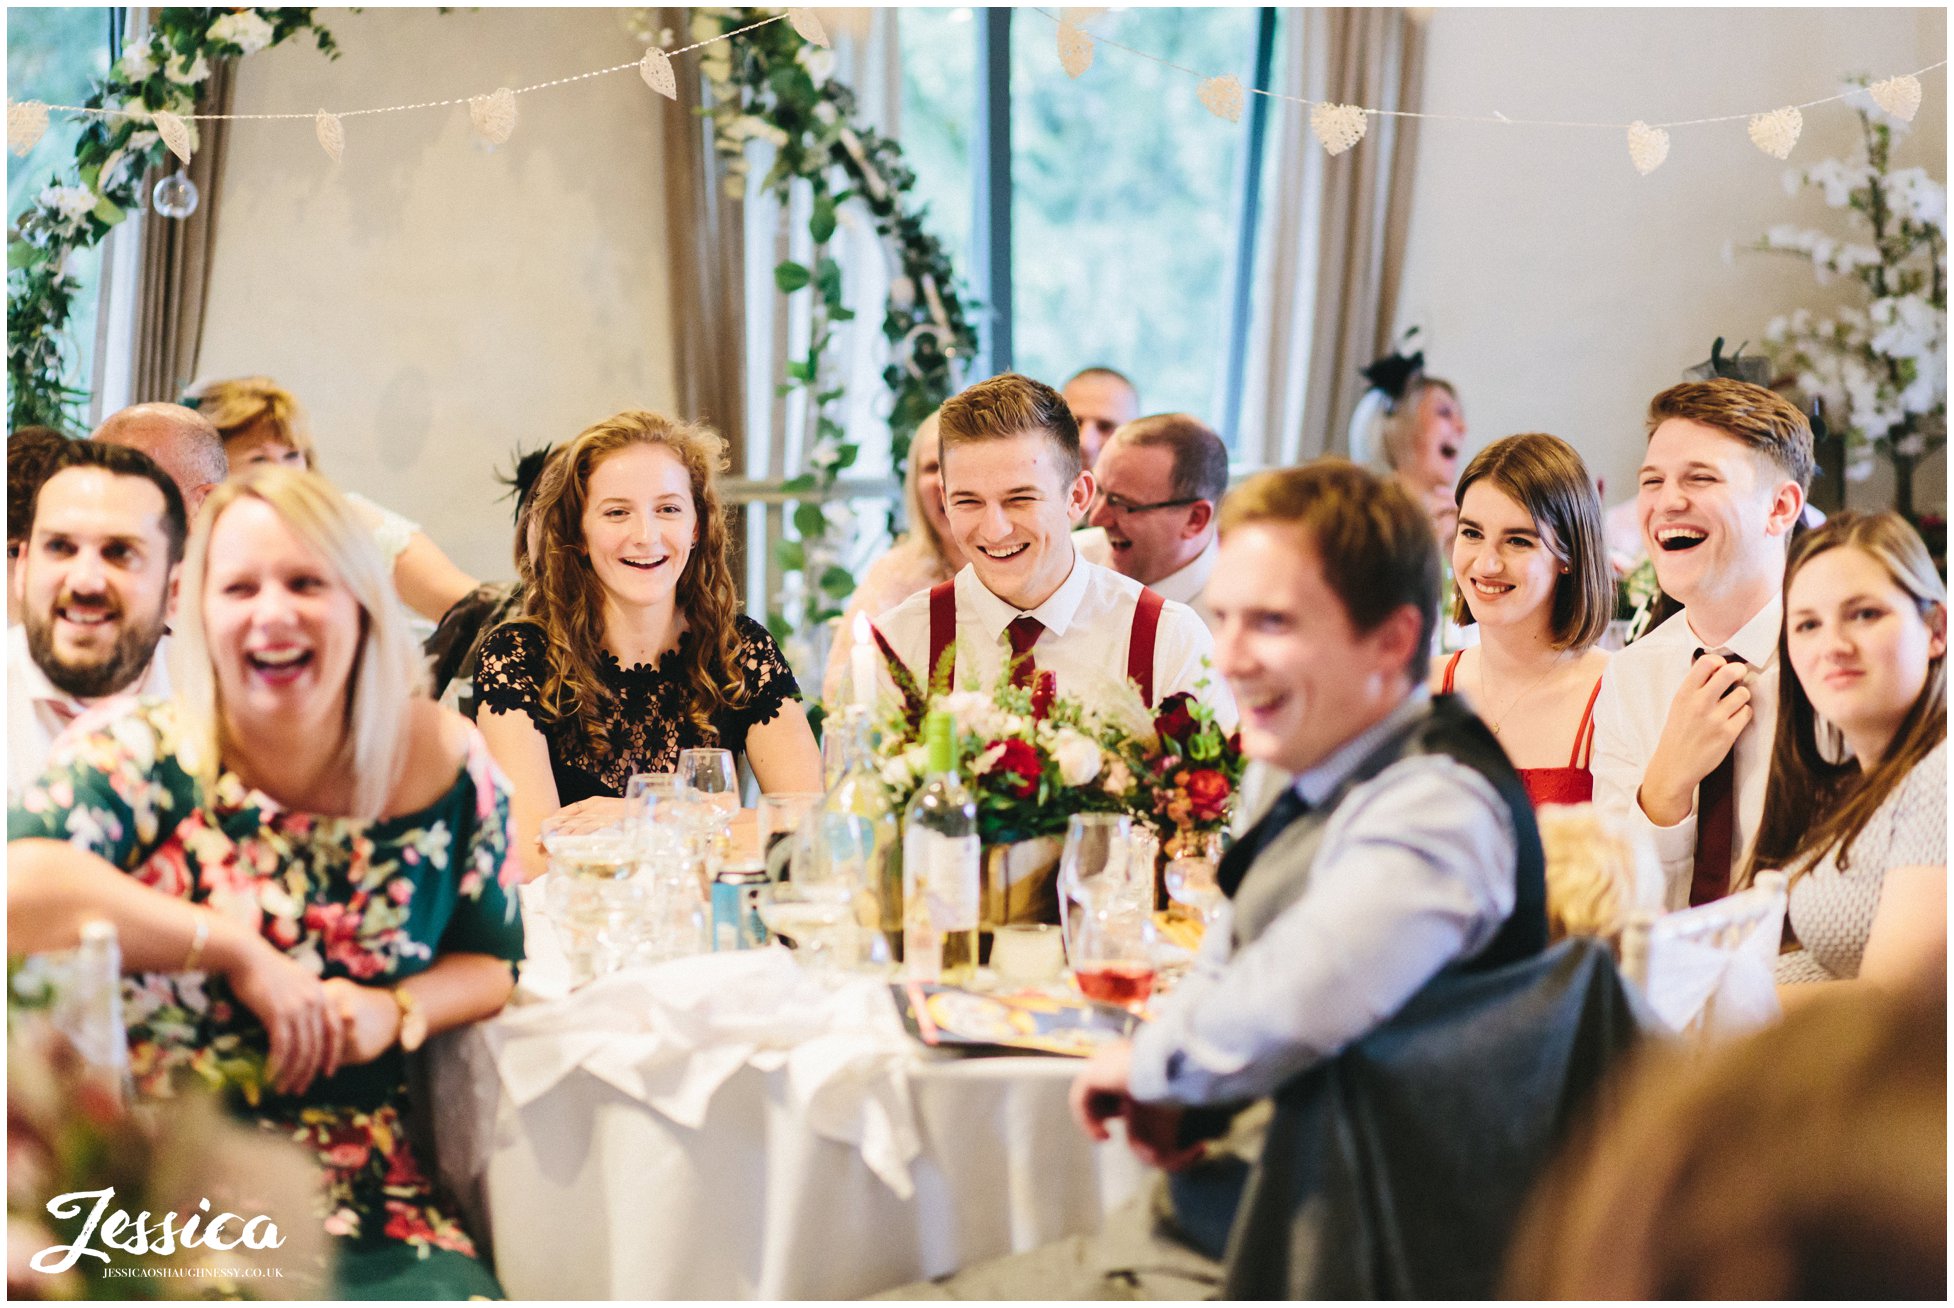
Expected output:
(432, 301)
(1559, 288)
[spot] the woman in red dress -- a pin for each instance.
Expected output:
(1532, 574)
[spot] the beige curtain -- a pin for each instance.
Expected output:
(176, 258)
(1333, 231)
(708, 267)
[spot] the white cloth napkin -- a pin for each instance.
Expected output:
(1734, 988)
(671, 1036)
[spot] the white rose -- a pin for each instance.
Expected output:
(190, 76)
(1078, 758)
(137, 65)
(1119, 778)
(71, 202)
(986, 761)
(243, 29)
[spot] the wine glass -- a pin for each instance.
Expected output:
(1192, 878)
(834, 854)
(781, 815)
(1093, 868)
(712, 783)
(1111, 956)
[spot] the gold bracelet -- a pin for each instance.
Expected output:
(197, 943)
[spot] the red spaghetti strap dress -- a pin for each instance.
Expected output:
(1573, 784)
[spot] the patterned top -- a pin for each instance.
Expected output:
(374, 901)
(646, 715)
(1832, 911)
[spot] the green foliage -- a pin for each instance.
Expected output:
(112, 158)
(770, 83)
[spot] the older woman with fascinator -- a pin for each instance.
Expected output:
(303, 857)
(633, 647)
(1856, 807)
(1411, 426)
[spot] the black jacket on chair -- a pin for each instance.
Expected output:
(1398, 1169)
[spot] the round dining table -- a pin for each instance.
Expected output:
(732, 1126)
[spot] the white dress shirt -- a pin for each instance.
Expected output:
(1184, 585)
(38, 711)
(1087, 621)
(1415, 871)
(1636, 691)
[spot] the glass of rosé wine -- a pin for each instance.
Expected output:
(1110, 956)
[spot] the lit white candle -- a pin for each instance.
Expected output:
(863, 656)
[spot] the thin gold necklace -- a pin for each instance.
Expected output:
(1528, 689)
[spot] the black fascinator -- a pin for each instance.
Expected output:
(1756, 369)
(522, 480)
(1392, 373)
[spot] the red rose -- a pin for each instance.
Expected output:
(1174, 722)
(1018, 770)
(1208, 791)
(1044, 689)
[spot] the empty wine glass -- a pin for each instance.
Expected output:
(781, 815)
(1093, 867)
(711, 785)
(1192, 877)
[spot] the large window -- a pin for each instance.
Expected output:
(55, 56)
(1124, 196)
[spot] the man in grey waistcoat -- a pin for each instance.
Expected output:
(1404, 848)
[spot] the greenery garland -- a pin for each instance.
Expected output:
(773, 85)
(112, 160)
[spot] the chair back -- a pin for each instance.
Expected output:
(1708, 971)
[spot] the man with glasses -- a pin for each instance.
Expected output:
(1158, 480)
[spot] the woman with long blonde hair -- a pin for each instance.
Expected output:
(921, 557)
(303, 858)
(262, 422)
(1856, 806)
(633, 646)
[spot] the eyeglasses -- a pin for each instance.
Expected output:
(1121, 505)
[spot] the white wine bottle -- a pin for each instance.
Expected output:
(940, 866)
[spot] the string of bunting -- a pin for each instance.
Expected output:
(1339, 127)
(493, 115)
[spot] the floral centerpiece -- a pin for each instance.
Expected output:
(1880, 366)
(1033, 758)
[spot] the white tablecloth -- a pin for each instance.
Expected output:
(725, 1127)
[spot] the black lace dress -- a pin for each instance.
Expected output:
(647, 715)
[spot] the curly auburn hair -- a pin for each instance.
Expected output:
(567, 601)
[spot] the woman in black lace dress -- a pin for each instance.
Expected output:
(632, 646)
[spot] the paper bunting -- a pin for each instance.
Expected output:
(175, 133)
(1899, 96)
(1224, 97)
(1074, 49)
(1338, 126)
(1647, 146)
(656, 69)
(494, 115)
(809, 26)
(332, 137)
(26, 124)
(1776, 132)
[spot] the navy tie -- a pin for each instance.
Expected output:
(1235, 863)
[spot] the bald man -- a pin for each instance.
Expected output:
(181, 441)
(1101, 400)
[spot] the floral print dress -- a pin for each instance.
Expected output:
(373, 901)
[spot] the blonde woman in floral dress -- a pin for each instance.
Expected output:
(304, 859)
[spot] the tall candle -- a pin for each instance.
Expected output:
(863, 656)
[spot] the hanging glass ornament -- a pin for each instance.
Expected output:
(175, 196)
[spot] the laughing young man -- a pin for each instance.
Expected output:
(103, 538)
(1683, 726)
(1012, 483)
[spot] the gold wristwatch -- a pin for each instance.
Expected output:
(413, 1022)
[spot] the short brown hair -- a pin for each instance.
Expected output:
(1376, 544)
(1005, 406)
(1200, 459)
(31, 456)
(1755, 415)
(1545, 476)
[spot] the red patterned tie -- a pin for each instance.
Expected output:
(1024, 632)
(1716, 825)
